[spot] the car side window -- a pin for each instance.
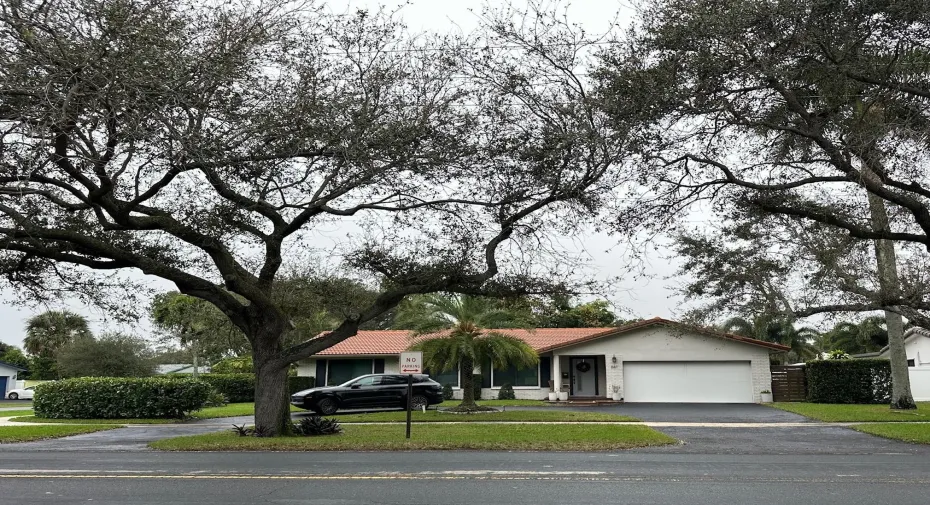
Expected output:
(393, 380)
(367, 381)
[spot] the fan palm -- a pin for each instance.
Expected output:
(462, 322)
(49, 331)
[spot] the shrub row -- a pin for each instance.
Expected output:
(120, 398)
(849, 381)
(240, 387)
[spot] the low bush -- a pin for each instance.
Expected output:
(315, 426)
(447, 393)
(120, 398)
(506, 393)
(240, 387)
(849, 381)
(236, 387)
(295, 384)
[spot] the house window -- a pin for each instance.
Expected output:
(343, 370)
(450, 377)
(910, 363)
(527, 377)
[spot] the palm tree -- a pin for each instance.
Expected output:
(49, 331)
(867, 335)
(779, 331)
(462, 322)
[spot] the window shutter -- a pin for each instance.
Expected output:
(486, 375)
(320, 372)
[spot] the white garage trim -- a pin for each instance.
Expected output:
(688, 381)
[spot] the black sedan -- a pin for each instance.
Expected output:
(370, 391)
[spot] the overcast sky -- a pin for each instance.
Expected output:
(644, 295)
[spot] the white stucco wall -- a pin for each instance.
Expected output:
(659, 343)
(917, 347)
(10, 374)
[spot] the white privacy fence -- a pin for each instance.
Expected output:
(920, 383)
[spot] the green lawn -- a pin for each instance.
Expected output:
(231, 410)
(502, 403)
(433, 416)
(18, 403)
(15, 413)
(835, 413)
(505, 437)
(111, 422)
(10, 434)
(913, 433)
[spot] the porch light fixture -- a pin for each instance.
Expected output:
(614, 359)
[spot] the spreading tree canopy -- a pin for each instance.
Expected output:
(211, 144)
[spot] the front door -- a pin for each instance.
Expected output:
(584, 376)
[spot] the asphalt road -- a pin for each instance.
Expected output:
(766, 464)
(414, 478)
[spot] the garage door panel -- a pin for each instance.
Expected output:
(687, 381)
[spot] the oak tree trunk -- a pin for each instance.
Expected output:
(890, 287)
(272, 411)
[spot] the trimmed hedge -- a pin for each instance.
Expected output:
(849, 381)
(236, 387)
(295, 384)
(240, 387)
(120, 398)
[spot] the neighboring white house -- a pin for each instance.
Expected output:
(8, 377)
(180, 368)
(917, 348)
(649, 361)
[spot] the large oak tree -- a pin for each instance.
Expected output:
(812, 109)
(211, 145)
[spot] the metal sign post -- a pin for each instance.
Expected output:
(410, 363)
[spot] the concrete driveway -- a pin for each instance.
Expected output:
(702, 413)
(772, 434)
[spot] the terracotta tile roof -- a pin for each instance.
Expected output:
(377, 342)
(368, 342)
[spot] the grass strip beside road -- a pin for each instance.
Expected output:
(432, 416)
(502, 403)
(15, 413)
(11, 434)
(506, 437)
(91, 422)
(231, 410)
(913, 433)
(26, 404)
(839, 413)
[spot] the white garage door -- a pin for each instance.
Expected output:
(687, 381)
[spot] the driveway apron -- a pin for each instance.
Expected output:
(774, 439)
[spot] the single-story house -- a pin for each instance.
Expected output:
(917, 348)
(656, 360)
(180, 368)
(8, 373)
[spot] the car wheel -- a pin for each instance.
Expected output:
(13, 396)
(327, 406)
(418, 402)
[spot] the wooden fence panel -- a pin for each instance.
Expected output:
(789, 384)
